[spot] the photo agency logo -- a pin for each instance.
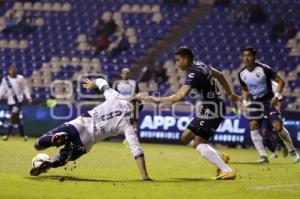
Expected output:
(71, 98)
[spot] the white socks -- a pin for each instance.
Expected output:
(212, 156)
(285, 137)
(258, 142)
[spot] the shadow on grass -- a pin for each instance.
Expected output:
(255, 163)
(78, 179)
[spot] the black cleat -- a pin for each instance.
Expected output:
(35, 171)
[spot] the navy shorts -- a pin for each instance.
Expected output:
(264, 113)
(74, 147)
(207, 121)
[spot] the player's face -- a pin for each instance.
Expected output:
(125, 75)
(248, 58)
(12, 71)
(181, 62)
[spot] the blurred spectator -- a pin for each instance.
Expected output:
(222, 2)
(240, 15)
(282, 29)
(32, 1)
(12, 20)
(109, 28)
(27, 25)
(2, 3)
(101, 43)
(103, 30)
(121, 44)
(99, 26)
(160, 75)
(106, 28)
(290, 30)
(257, 13)
(180, 2)
(278, 29)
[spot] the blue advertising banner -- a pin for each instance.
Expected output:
(233, 131)
(165, 127)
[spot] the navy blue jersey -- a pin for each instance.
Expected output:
(258, 82)
(199, 77)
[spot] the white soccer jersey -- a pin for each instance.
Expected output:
(126, 88)
(20, 87)
(108, 119)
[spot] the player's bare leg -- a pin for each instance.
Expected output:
(187, 136)
(285, 137)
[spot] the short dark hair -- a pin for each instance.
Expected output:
(185, 52)
(250, 49)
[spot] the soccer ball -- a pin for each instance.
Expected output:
(39, 159)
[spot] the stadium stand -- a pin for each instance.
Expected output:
(218, 41)
(59, 46)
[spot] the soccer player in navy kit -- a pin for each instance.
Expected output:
(256, 81)
(203, 126)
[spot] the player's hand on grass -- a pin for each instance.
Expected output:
(147, 178)
(88, 84)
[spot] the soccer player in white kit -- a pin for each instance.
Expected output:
(78, 136)
(14, 88)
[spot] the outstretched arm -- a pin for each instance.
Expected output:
(102, 85)
(279, 90)
(221, 79)
(182, 93)
(136, 150)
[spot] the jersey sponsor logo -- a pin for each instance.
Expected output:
(191, 75)
(202, 123)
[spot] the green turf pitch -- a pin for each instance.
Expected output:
(109, 171)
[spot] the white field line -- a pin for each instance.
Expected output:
(274, 187)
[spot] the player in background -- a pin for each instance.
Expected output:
(272, 142)
(129, 88)
(204, 125)
(255, 79)
(14, 87)
(78, 136)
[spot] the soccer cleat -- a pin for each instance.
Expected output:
(226, 159)
(226, 176)
(295, 157)
(262, 160)
(5, 137)
(274, 155)
(35, 171)
(285, 152)
(59, 139)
